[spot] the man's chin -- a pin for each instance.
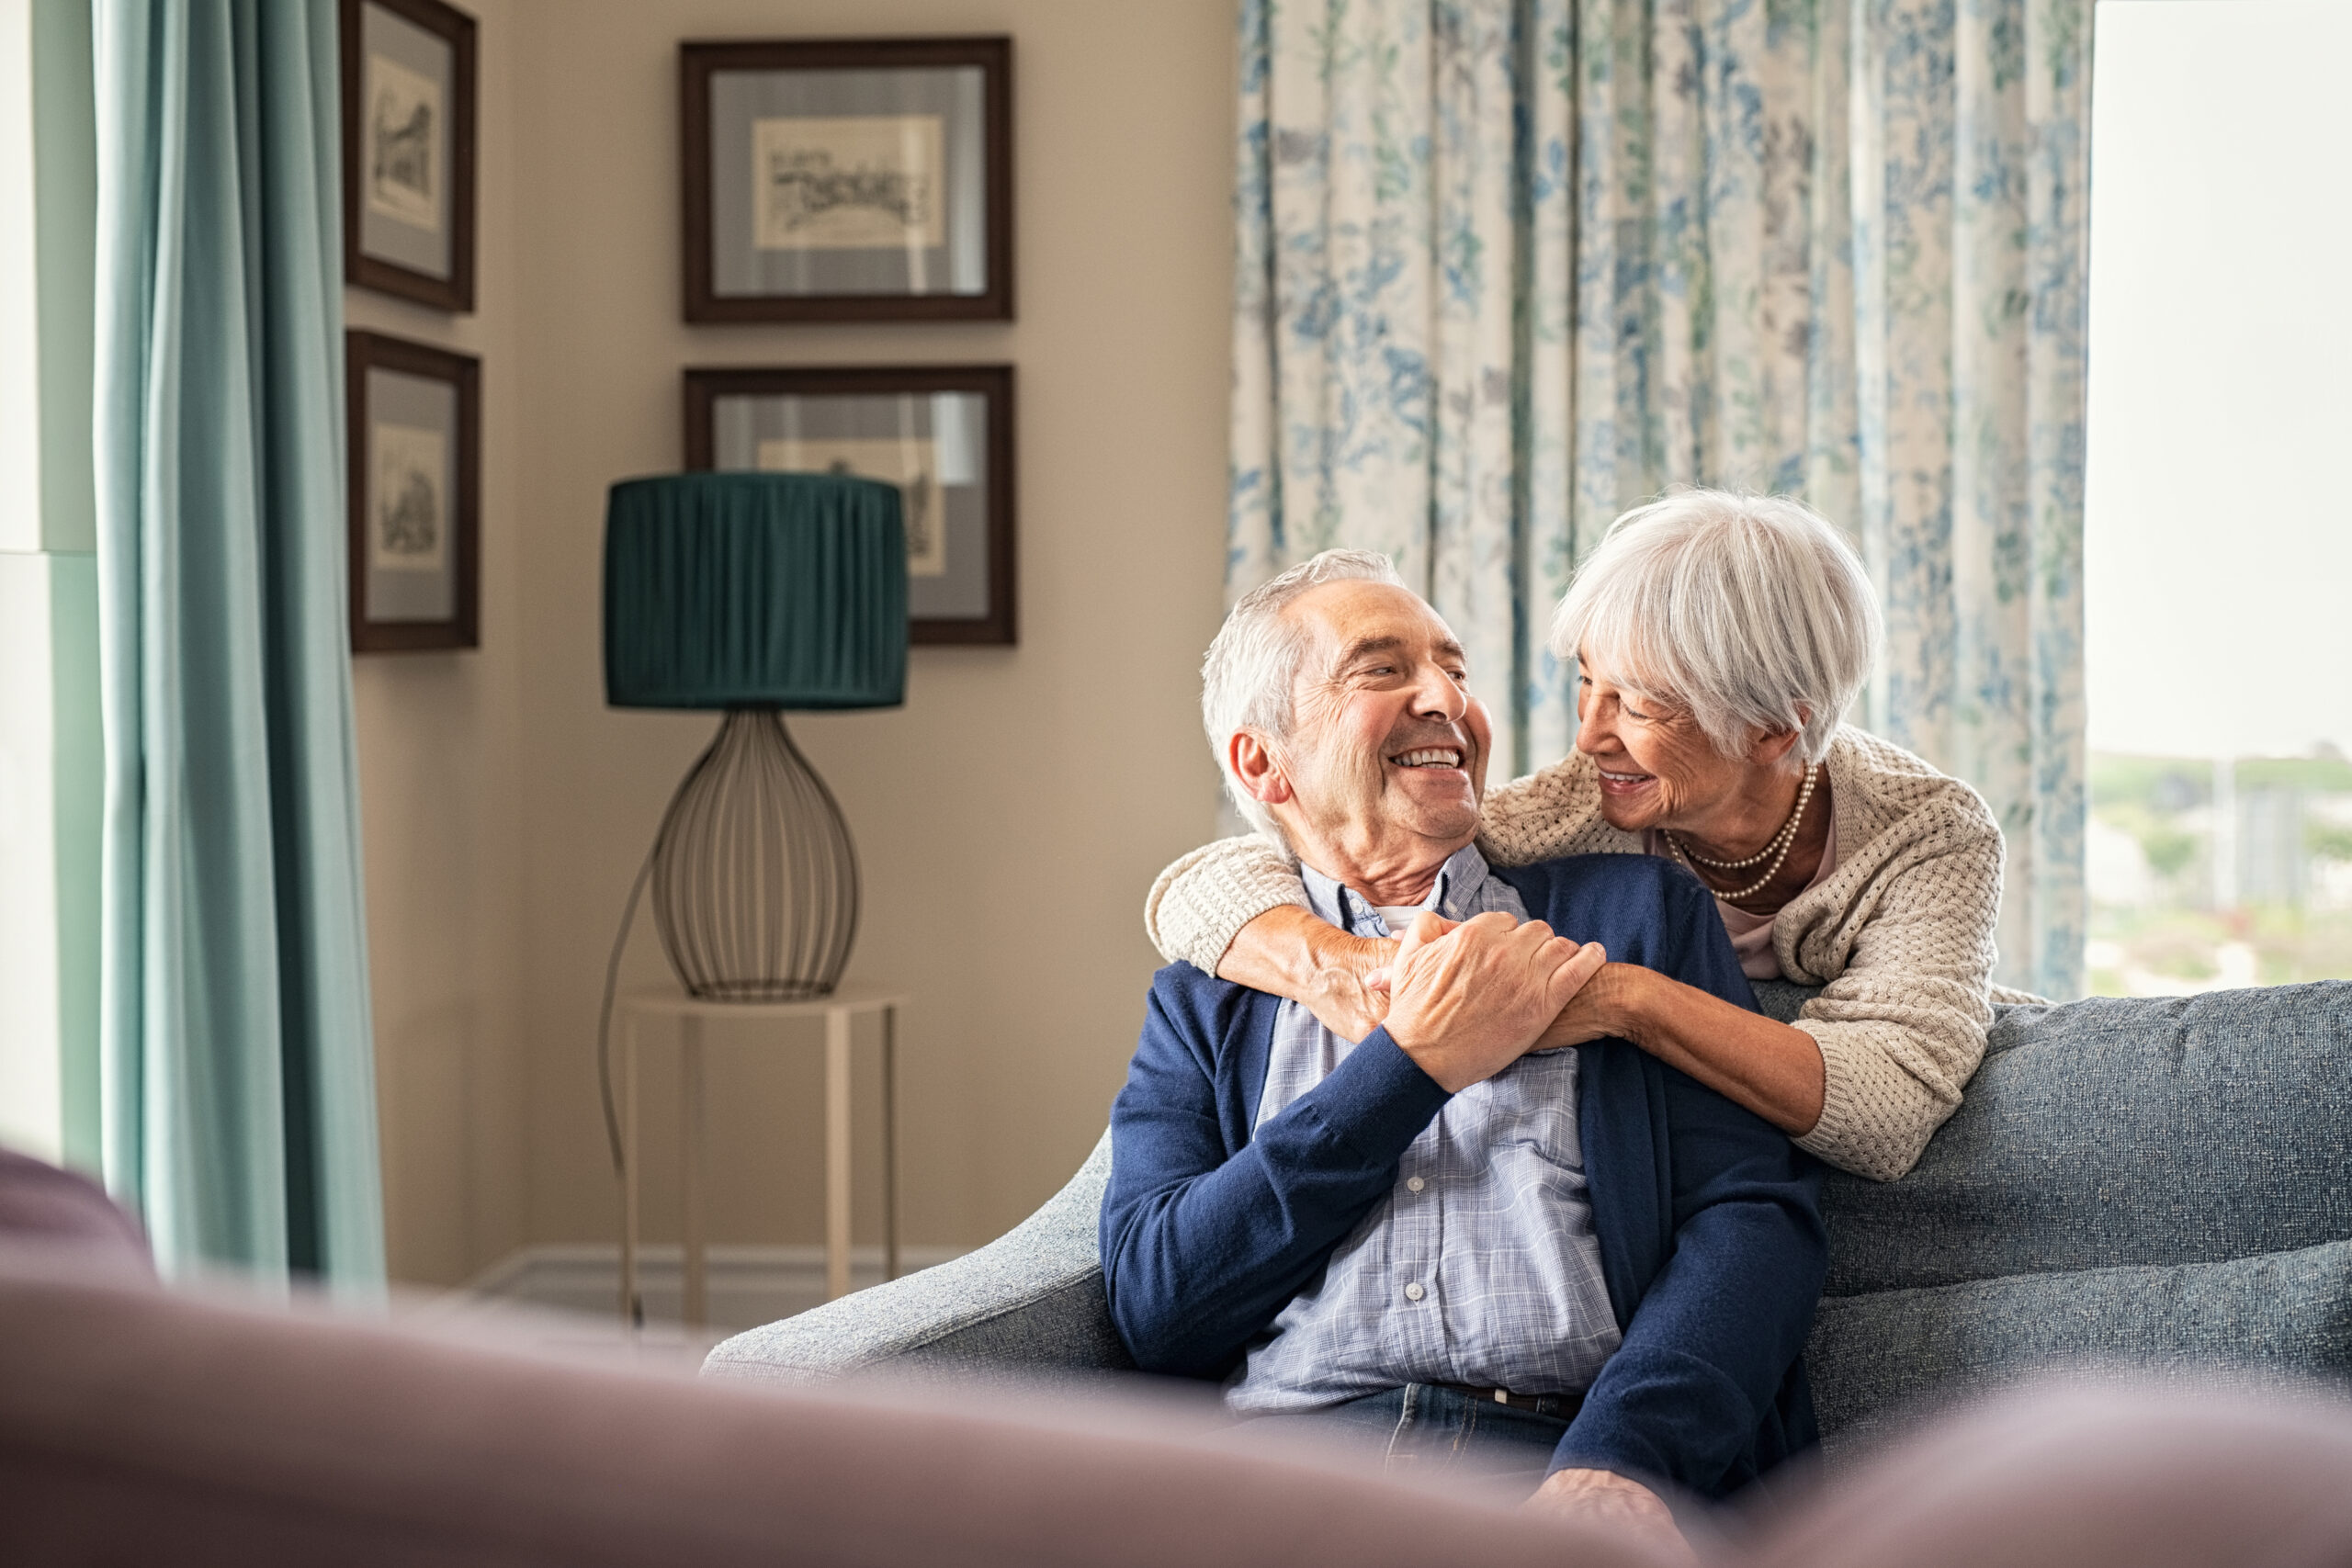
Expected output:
(1455, 827)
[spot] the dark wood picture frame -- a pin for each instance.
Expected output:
(364, 352)
(704, 386)
(698, 60)
(455, 292)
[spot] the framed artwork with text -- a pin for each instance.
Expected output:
(942, 434)
(408, 151)
(847, 179)
(416, 495)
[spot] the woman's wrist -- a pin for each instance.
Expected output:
(1620, 994)
(1292, 953)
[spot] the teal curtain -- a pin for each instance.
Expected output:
(236, 1071)
(1506, 267)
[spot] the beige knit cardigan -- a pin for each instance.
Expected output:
(1899, 935)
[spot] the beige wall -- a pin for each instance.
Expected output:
(1008, 818)
(441, 799)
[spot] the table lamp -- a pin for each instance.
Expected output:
(753, 593)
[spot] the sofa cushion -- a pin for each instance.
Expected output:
(2280, 1315)
(2114, 1131)
(142, 1426)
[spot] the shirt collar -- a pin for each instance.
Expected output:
(1454, 893)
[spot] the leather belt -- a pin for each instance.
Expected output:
(1562, 1406)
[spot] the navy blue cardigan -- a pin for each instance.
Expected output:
(1708, 1218)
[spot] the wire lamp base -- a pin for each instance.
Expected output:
(754, 878)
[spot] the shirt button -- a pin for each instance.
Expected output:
(1414, 1184)
(1413, 1291)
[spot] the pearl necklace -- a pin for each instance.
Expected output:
(1778, 847)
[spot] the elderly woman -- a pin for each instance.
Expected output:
(1719, 640)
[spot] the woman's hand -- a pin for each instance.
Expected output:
(1340, 994)
(1290, 953)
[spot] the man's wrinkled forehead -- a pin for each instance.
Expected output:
(1355, 620)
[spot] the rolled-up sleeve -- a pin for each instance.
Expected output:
(1201, 902)
(1901, 1027)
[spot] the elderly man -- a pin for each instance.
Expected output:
(1577, 1264)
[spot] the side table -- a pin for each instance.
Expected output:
(838, 1011)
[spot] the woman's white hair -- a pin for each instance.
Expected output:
(1250, 673)
(1751, 612)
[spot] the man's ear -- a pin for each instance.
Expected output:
(1258, 766)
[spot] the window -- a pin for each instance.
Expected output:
(2219, 522)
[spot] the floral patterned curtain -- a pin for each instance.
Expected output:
(1506, 267)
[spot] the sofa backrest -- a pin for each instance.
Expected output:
(2114, 1131)
(2160, 1183)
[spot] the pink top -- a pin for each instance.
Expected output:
(1752, 935)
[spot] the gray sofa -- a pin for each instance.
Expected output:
(2158, 1183)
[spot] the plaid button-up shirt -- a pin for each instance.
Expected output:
(1480, 1267)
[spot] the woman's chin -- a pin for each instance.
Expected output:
(1635, 816)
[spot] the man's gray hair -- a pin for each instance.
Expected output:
(1752, 612)
(1249, 677)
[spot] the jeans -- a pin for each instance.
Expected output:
(1434, 1432)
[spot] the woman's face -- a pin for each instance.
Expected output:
(1658, 767)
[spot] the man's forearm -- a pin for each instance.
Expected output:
(1198, 1257)
(1768, 1068)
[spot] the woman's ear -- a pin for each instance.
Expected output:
(1258, 766)
(1768, 747)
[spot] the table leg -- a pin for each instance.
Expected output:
(890, 1143)
(837, 1027)
(632, 1305)
(693, 1280)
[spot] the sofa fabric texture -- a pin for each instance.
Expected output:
(2158, 1183)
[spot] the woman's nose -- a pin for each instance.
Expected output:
(1593, 732)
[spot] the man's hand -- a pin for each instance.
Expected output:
(1468, 1000)
(1609, 1501)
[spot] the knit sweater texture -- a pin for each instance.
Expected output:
(1899, 936)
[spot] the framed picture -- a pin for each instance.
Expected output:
(415, 481)
(408, 151)
(848, 179)
(942, 434)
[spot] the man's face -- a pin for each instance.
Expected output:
(1387, 750)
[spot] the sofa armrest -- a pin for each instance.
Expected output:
(1032, 1301)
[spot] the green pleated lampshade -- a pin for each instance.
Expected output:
(754, 590)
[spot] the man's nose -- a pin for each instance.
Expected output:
(1436, 695)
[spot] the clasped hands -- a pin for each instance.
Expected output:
(1467, 999)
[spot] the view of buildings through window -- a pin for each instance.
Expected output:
(2219, 529)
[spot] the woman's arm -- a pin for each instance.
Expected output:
(1771, 1069)
(1293, 952)
(1876, 1062)
(1201, 902)
(1238, 910)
